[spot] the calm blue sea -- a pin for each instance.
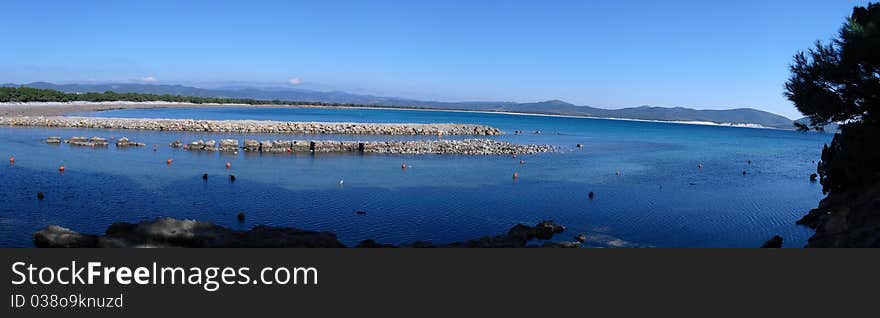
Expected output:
(660, 198)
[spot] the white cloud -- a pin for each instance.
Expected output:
(294, 81)
(149, 79)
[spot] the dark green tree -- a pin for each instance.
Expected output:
(840, 82)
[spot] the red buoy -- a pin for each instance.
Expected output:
(515, 175)
(168, 162)
(12, 160)
(61, 168)
(228, 165)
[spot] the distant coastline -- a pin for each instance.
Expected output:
(67, 108)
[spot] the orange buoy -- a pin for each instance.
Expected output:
(515, 175)
(12, 160)
(228, 165)
(61, 168)
(168, 162)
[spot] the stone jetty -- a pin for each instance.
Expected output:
(250, 126)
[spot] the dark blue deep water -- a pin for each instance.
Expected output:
(659, 199)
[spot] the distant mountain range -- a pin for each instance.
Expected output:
(739, 116)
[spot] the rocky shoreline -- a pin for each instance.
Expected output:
(846, 219)
(251, 126)
(169, 232)
(464, 147)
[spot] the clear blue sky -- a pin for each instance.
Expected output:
(612, 54)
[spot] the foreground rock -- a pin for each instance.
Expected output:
(773, 242)
(169, 232)
(517, 236)
(251, 126)
(848, 218)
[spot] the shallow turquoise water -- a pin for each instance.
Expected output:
(660, 198)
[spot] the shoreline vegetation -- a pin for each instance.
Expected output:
(839, 81)
(26, 101)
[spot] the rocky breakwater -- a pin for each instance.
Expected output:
(251, 126)
(466, 147)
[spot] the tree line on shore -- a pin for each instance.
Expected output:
(25, 94)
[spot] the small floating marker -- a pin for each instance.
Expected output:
(591, 195)
(514, 156)
(228, 165)
(40, 196)
(403, 166)
(522, 161)
(360, 212)
(155, 147)
(341, 181)
(61, 168)
(515, 175)
(240, 216)
(699, 166)
(580, 145)
(205, 177)
(617, 172)
(750, 162)
(12, 160)
(231, 178)
(168, 162)
(744, 172)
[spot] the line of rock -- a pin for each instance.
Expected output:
(251, 126)
(169, 232)
(465, 147)
(94, 142)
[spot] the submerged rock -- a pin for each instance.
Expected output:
(774, 242)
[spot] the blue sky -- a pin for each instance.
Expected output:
(611, 54)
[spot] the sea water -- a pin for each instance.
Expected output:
(649, 189)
